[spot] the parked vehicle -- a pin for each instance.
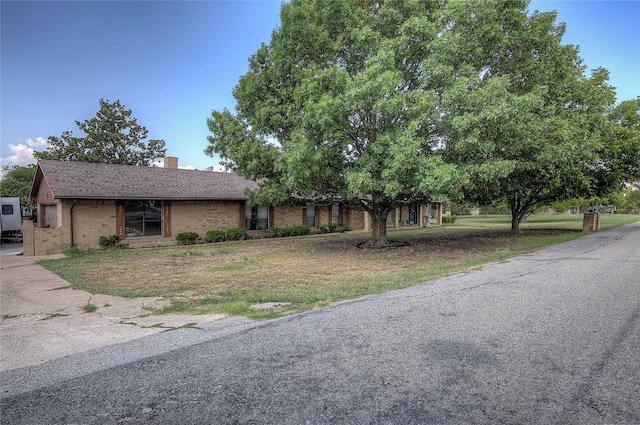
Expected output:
(10, 217)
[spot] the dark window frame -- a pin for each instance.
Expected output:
(143, 218)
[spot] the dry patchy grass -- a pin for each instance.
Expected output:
(308, 271)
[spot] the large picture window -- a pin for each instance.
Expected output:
(142, 218)
(256, 218)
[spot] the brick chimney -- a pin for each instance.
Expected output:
(171, 162)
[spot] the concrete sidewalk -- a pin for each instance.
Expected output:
(43, 318)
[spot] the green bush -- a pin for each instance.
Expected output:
(449, 219)
(187, 238)
(302, 230)
(110, 242)
(328, 228)
(282, 232)
(216, 236)
(236, 234)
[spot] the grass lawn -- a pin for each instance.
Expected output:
(311, 271)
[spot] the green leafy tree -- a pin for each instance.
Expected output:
(16, 182)
(634, 199)
(341, 106)
(521, 117)
(620, 153)
(113, 136)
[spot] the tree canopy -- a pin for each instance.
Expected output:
(382, 104)
(522, 119)
(16, 182)
(337, 107)
(113, 136)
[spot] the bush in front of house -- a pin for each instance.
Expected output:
(216, 236)
(111, 241)
(233, 234)
(187, 238)
(283, 232)
(328, 228)
(236, 234)
(449, 219)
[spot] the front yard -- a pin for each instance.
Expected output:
(311, 271)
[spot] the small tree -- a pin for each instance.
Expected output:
(521, 118)
(111, 137)
(16, 182)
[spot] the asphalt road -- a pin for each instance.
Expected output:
(547, 338)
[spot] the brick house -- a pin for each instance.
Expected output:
(148, 206)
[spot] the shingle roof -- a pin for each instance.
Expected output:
(82, 180)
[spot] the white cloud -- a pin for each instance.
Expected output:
(160, 163)
(220, 167)
(22, 154)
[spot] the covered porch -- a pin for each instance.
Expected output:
(407, 216)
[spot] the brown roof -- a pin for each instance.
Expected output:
(81, 180)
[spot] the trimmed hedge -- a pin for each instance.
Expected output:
(110, 242)
(234, 234)
(282, 232)
(187, 238)
(216, 236)
(328, 228)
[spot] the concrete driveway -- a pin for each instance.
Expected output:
(43, 318)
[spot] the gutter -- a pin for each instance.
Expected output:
(71, 218)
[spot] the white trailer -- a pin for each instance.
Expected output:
(10, 216)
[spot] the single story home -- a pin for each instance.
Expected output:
(148, 206)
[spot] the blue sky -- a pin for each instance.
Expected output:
(172, 63)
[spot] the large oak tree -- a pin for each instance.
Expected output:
(383, 103)
(113, 136)
(339, 107)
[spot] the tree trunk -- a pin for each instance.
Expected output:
(515, 222)
(378, 215)
(517, 214)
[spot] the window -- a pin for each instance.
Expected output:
(256, 218)
(311, 215)
(50, 216)
(7, 210)
(335, 213)
(142, 218)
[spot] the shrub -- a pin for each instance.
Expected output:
(328, 228)
(109, 242)
(236, 234)
(449, 219)
(187, 238)
(216, 236)
(282, 232)
(301, 230)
